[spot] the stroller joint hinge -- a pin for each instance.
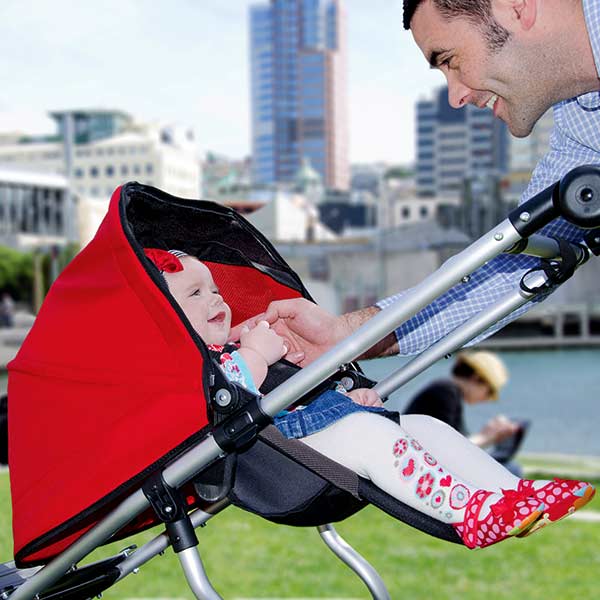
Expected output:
(171, 510)
(241, 428)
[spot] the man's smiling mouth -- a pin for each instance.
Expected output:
(492, 101)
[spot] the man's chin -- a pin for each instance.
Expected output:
(520, 128)
(519, 133)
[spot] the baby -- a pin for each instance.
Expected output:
(483, 501)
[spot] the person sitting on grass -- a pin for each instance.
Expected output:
(422, 462)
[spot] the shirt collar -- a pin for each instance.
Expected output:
(591, 11)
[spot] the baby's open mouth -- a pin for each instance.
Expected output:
(218, 318)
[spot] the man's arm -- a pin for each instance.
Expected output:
(388, 346)
(502, 274)
(311, 331)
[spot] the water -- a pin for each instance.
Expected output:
(557, 390)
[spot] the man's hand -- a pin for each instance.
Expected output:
(309, 330)
(365, 397)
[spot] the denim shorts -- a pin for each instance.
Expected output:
(322, 412)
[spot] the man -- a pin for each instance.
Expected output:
(519, 58)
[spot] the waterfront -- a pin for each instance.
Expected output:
(557, 390)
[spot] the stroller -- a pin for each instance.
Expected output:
(111, 351)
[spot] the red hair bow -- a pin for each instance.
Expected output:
(164, 261)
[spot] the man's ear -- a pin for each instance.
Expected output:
(526, 12)
(521, 14)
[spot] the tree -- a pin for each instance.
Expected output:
(16, 273)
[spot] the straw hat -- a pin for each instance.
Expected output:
(487, 366)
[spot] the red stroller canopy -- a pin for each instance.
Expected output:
(111, 382)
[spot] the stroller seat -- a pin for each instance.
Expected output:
(115, 399)
(113, 383)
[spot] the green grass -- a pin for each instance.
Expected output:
(248, 557)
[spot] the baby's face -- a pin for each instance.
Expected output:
(199, 298)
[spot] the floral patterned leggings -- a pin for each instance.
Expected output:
(423, 462)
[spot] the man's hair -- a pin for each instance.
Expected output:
(479, 12)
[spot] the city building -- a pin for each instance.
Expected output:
(36, 210)
(345, 274)
(298, 90)
(108, 148)
(289, 216)
(525, 153)
(457, 145)
(223, 176)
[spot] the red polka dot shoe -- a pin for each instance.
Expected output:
(514, 513)
(561, 497)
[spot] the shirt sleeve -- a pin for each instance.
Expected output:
(500, 275)
(236, 369)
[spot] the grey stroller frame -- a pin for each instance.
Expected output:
(576, 198)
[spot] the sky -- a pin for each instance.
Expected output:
(187, 62)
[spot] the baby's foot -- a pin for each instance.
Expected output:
(562, 497)
(491, 518)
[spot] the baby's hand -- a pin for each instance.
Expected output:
(365, 397)
(265, 341)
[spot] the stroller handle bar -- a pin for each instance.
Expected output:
(576, 197)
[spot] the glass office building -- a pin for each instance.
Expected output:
(455, 145)
(298, 63)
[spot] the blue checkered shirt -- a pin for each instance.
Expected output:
(575, 141)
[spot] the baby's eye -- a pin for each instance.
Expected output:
(196, 292)
(216, 291)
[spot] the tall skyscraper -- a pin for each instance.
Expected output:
(298, 62)
(454, 145)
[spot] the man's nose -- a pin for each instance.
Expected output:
(458, 93)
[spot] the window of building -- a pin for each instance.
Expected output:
(110, 171)
(405, 212)
(423, 212)
(124, 170)
(94, 172)
(149, 168)
(78, 172)
(136, 169)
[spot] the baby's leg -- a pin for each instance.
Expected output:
(458, 453)
(378, 449)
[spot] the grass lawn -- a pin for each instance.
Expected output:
(247, 557)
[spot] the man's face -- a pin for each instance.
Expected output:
(499, 79)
